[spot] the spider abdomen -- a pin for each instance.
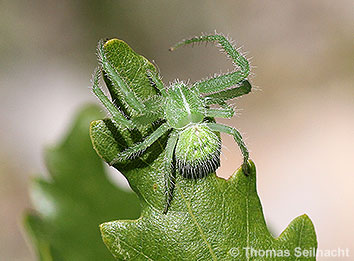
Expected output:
(197, 151)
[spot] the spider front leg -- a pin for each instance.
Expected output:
(215, 98)
(116, 114)
(220, 97)
(127, 94)
(238, 138)
(170, 170)
(139, 148)
(226, 111)
(157, 82)
(223, 81)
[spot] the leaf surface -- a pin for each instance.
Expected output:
(209, 219)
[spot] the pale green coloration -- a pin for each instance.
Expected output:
(178, 110)
(209, 218)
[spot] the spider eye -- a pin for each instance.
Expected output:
(197, 152)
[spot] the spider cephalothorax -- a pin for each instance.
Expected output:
(193, 146)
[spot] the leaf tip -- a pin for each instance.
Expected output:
(107, 232)
(302, 228)
(112, 41)
(239, 172)
(110, 237)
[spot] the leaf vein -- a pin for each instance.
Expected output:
(197, 224)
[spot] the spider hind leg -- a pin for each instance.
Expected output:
(238, 138)
(170, 171)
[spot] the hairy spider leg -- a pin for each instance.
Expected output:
(154, 111)
(238, 138)
(113, 75)
(170, 170)
(215, 98)
(158, 83)
(221, 82)
(116, 114)
(226, 111)
(138, 148)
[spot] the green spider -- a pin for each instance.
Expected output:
(193, 145)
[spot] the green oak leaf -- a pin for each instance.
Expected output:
(75, 199)
(209, 218)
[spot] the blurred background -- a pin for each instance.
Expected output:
(298, 123)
